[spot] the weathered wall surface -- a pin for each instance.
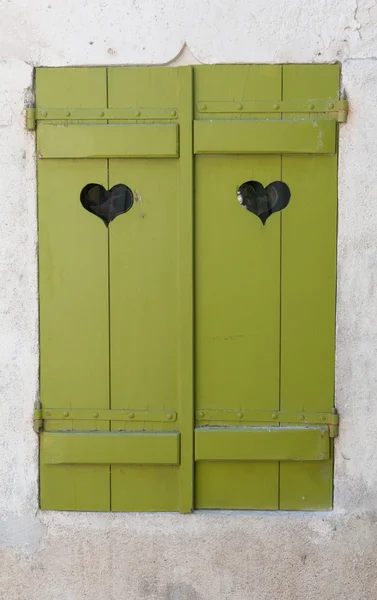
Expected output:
(205, 556)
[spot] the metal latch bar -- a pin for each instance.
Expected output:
(333, 107)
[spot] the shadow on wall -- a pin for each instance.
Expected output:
(173, 591)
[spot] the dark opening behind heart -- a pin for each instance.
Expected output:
(106, 204)
(261, 201)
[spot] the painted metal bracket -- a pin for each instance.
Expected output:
(209, 416)
(333, 108)
(87, 414)
(98, 114)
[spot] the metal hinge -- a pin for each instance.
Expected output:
(333, 108)
(98, 114)
(93, 414)
(30, 119)
(210, 416)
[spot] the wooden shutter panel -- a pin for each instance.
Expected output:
(115, 321)
(265, 296)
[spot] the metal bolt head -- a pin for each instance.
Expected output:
(200, 414)
(44, 113)
(101, 113)
(274, 416)
(202, 107)
(173, 113)
(324, 418)
(66, 413)
(240, 415)
(96, 415)
(302, 417)
(239, 106)
(331, 105)
(48, 414)
(137, 113)
(311, 106)
(131, 415)
(276, 106)
(169, 416)
(67, 113)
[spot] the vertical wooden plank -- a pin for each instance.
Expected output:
(144, 294)
(237, 288)
(237, 292)
(73, 294)
(308, 290)
(237, 317)
(185, 266)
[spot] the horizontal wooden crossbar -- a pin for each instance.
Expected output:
(110, 448)
(107, 141)
(305, 136)
(262, 443)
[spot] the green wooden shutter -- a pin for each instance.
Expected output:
(115, 303)
(187, 306)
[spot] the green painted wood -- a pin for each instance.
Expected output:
(104, 141)
(308, 290)
(235, 83)
(313, 136)
(74, 487)
(207, 417)
(237, 292)
(144, 292)
(253, 350)
(331, 108)
(185, 299)
(307, 485)
(102, 115)
(262, 443)
(70, 86)
(237, 350)
(236, 485)
(151, 488)
(73, 295)
(82, 414)
(110, 448)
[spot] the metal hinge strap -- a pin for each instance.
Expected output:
(336, 108)
(30, 119)
(272, 417)
(90, 414)
(98, 114)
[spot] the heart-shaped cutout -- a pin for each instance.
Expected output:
(261, 201)
(106, 204)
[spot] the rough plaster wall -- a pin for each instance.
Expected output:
(205, 556)
(51, 32)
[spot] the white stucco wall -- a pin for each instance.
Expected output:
(204, 556)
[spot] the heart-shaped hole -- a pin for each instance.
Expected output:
(261, 201)
(107, 205)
